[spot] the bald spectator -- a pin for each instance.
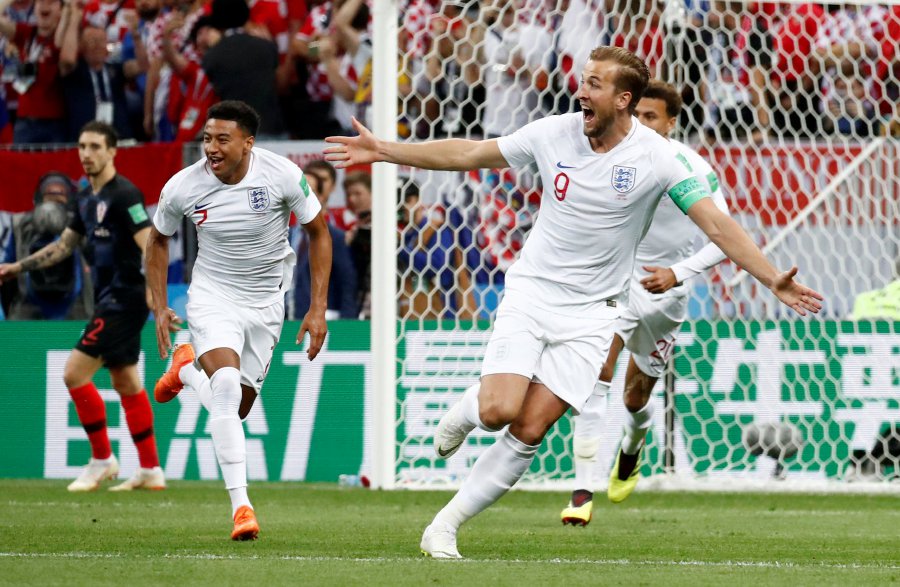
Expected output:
(94, 88)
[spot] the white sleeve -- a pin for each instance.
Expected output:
(170, 209)
(300, 197)
(518, 148)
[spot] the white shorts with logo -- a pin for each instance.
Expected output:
(565, 353)
(252, 333)
(649, 326)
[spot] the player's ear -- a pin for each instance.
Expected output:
(248, 143)
(623, 99)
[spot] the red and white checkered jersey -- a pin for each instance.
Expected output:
(108, 16)
(317, 24)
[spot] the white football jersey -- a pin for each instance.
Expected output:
(671, 236)
(595, 208)
(242, 230)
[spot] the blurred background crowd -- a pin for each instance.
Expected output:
(751, 73)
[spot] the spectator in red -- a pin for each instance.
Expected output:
(41, 111)
(315, 101)
(18, 11)
(188, 110)
(157, 124)
(346, 55)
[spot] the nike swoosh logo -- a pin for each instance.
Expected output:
(561, 166)
(200, 207)
(444, 453)
(260, 379)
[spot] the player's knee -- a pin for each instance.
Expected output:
(495, 412)
(531, 433)
(634, 400)
(126, 385)
(227, 393)
(74, 378)
(585, 449)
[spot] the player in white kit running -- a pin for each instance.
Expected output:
(657, 305)
(240, 198)
(603, 175)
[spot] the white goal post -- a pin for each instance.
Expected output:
(795, 127)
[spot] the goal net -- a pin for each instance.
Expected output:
(793, 105)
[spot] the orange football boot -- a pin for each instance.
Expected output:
(245, 525)
(168, 386)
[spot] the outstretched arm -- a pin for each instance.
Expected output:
(740, 248)
(319, 270)
(156, 268)
(45, 257)
(445, 155)
(662, 279)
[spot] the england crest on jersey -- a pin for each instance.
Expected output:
(623, 178)
(259, 199)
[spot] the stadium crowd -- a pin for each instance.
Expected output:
(750, 72)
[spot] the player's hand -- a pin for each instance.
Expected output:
(9, 271)
(314, 323)
(799, 297)
(167, 322)
(661, 279)
(358, 150)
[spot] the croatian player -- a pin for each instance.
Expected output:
(240, 199)
(657, 305)
(112, 227)
(603, 175)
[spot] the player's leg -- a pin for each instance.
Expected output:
(120, 344)
(587, 427)
(139, 417)
(638, 419)
(496, 470)
(651, 343)
(491, 404)
(261, 330)
(223, 367)
(77, 375)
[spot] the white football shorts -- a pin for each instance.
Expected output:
(565, 353)
(250, 332)
(649, 327)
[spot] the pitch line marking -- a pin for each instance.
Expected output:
(419, 559)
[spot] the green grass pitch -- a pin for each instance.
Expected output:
(323, 535)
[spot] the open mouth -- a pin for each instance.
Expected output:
(588, 114)
(215, 163)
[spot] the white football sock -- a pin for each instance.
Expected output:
(199, 382)
(495, 471)
(587, 430)
(228, 433)
(470, 408)
(636, 426)
(238, 497)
